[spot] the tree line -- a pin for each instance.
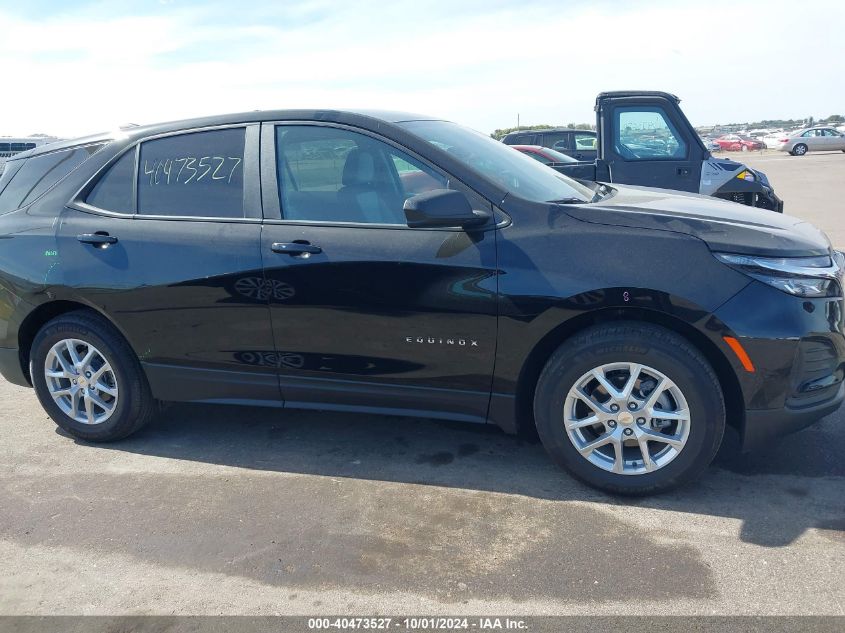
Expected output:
(498, 134)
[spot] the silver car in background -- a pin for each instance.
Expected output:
(817, 139)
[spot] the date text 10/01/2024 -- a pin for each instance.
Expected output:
(419, 623)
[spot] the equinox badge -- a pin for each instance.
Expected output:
(432, 340)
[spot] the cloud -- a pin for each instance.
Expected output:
(478, 63)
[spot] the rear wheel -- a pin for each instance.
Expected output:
(631, 408)
(799, 150)
(88, 379)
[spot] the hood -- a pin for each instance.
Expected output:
(724, 226)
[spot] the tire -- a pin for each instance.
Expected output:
(744, 148)
(659, 351)
(799, 150)
(132, 405)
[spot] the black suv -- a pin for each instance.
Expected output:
(579, 144)
(393, 263)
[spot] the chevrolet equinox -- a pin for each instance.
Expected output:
(392, 263)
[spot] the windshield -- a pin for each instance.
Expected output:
(521, 175)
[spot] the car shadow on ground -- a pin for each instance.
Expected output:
(777, 493)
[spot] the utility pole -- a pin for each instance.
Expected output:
(517, 121)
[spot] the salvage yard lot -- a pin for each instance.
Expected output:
(250, 511)
(812, 186)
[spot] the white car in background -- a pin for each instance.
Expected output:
(817, 139)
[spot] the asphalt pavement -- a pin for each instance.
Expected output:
(225, 510)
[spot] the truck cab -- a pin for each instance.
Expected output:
(645, 139)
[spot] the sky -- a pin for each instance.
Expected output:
(72, 67)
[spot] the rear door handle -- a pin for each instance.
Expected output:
(97, 239)
(295, 248)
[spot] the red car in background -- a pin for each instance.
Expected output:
(737, 143)
(545, 155)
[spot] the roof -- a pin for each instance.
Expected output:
(549, 129)
(255, 116)
(638, 93)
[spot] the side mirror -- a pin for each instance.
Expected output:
(442, 208)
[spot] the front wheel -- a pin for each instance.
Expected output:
(630, 408)
(88, 379)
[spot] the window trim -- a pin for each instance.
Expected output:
(270, 185)
(251, 196)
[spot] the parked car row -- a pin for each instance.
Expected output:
(579, 144)
(732, 143)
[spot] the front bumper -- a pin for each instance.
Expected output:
(763, 425)
(797, 347)
(768, 200)
(10, 367)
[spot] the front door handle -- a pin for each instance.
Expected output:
(295, 248)
(683, 171)
(100, 239)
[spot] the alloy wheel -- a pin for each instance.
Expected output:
(627, 418)
(81, 381)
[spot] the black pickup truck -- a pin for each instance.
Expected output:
(645, 139)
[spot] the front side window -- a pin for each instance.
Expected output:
(328, 174)
(38, 174)
(198, 174)
(646, 133)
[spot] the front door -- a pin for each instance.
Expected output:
(645, 143)
(368, 313)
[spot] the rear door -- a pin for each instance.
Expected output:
(166, 243)
(368, 313)
(647, 141)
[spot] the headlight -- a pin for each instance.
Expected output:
(746, 174)
(799, 276)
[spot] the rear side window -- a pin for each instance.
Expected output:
(585, 141)
(113, 191)
(556, 140)
(199, 174)
(38, 174)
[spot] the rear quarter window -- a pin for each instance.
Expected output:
(38, 174)
(113, 191)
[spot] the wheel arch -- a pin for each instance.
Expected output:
(46, 312)
(545, 347)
